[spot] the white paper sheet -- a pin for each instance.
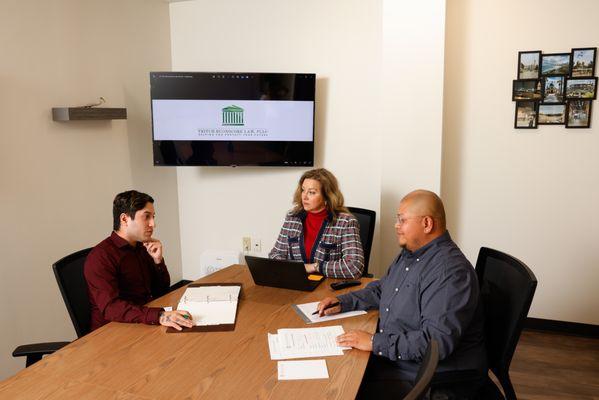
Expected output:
(308, 308)
(305, 342)
(305, 369)
(211, 305)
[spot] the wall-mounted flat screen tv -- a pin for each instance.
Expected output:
(232, 119)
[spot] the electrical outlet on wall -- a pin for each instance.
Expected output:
(246, 244)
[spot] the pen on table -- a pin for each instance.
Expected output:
(327, 307)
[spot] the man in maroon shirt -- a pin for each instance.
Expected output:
(127, 270)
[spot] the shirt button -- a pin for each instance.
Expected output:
(380, 330)
(407, 268)
(399, 357)
(386, 309)
(380, 353)
(397, 289)
(417, 259)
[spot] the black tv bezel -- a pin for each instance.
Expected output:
(306, 148)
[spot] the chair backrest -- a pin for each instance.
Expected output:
(425, 372)
(507, 288)
(73, 287)
(367, 219)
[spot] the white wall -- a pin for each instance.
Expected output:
(531, 193)
(341, 44)
(412, 104)
(368, 133)
(57, 180)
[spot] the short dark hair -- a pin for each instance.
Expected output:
(129, 203)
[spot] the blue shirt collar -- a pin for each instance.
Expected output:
(433, 243)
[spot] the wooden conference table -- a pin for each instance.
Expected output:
(136, 361)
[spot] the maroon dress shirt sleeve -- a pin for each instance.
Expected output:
(163, 278)
(101, 275)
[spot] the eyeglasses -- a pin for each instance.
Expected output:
(400, 219)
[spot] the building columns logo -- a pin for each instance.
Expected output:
(233, 115)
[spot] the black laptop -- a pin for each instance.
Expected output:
(282, 274)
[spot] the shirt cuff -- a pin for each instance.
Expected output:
(377, 346)
(383, 345)
(345, 302)
(153, 315)
(161, 265)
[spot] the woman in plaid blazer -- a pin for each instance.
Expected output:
(319, 230)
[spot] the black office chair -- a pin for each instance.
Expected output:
(425, 372)
(366, 219)
(73, 287)
(507, 289)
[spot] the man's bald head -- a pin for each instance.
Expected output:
(425, 203)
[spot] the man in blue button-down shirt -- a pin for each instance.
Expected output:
(429, 292)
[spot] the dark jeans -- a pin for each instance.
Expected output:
(385, 380)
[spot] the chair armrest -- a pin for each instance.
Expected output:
(38, 348)
(35, 351)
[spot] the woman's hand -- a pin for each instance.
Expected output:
(311, 268)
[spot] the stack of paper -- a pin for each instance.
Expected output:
(211, 305)
(305, 369)
(306, 312)
(306, 342)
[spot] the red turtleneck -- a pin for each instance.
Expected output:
(311, 228)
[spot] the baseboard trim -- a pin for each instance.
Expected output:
(564, 327)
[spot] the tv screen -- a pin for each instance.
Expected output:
(232, 119)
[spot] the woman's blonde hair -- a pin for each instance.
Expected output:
(333, 197)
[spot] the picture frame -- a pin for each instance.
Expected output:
(553, 89)
(526, 115)
(551, 114)
(529, 63)
(555, 64)
(581, 88)
(527, 90)
(583, 62)
(578, 114)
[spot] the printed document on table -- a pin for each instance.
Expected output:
(305, 343)
(211, 305)
(304, 369)
(305, 312)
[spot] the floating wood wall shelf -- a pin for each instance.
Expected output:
(87, 113)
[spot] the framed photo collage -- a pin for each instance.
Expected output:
(555, 89)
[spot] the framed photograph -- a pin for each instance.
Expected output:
(578, 114)
(527, 89)
(555, 64)
(526, 115)
(581, 88)
(528, 64)
(583, 62)
(552, 114)
(553, 89)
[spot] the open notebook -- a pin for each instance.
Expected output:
(213, 307)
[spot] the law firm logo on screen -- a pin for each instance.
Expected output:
(233, 115)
